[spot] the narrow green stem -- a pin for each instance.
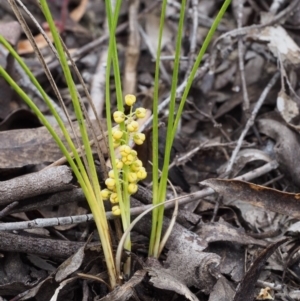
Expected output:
(202, 51)
(96, 202)
(168, 143)
(155, 166)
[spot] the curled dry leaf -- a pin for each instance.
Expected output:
(287, 107)
(166, 281)
(260, 196)
(71, 265)
(287, 149)
(279, 43)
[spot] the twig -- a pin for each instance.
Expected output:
(133, 50)
(250, 121)
(46, 181)
(77, 219)
(239, 15)
(193, 37)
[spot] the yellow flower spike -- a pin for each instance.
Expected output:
(132, 177)
(139, 138)
(136, 165)
(133, 126)
(119, 164)
(111, 174)
(105, 193)
(117, 134)
(128, 159)
(116, 210)
(132, 188)
(141, 174)
(125, 150)
(140, 112)
(109, 182)
(133, 153)
(130, 99)
(116, 143)
(114, 198)
(119, 116)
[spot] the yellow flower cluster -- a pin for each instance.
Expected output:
(136, 171)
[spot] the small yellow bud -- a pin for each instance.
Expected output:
(133, 153)
(119, 116)
(119, 164)
(136, 165)
(105, 193)
(116, 143)
(132, 188)
(141, 174)
(110, 182)
(128, 159)
(133, 126)
(111, 174)
(125, 150)
(114, 198)
(139, 138)
(132, 177)
(116, 210)
(140, 112)
(130, 99)
(117, 134)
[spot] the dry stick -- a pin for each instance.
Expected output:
(77, 219)
(36, 183)
(185, 157)
(40, 246)
(250, 121)
(193, 37)
(241, 51)
(275, 6)
(132, 51)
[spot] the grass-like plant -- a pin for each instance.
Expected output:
(160, 185)
(85, 173)
(127, 169)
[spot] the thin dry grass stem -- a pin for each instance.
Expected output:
(193, 36)
(238, 8)
(250, 121)
(98, 81)
(45, 67)
(86, 115)
(132, 51)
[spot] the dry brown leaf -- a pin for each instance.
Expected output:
(279, 43)
(287, 107)
(260, 196)
(24, 46)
